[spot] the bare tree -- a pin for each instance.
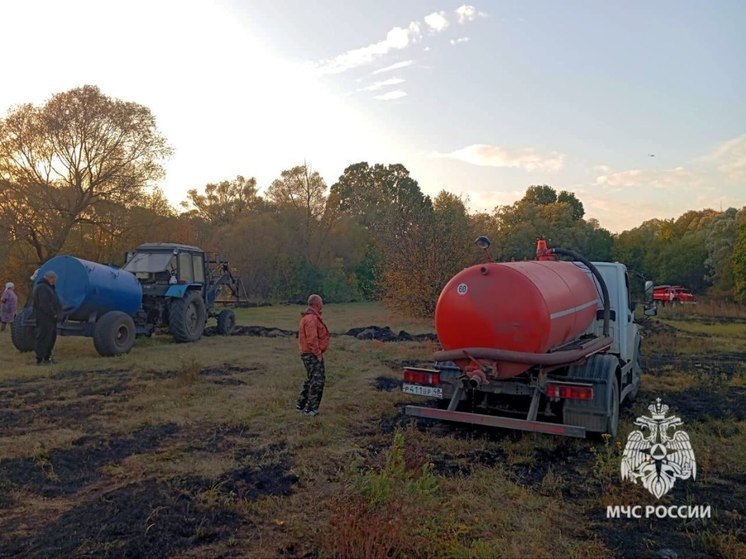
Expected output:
(60, 160)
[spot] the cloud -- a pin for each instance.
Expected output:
(380, 85)
(527, 159)
(396, 66)
(396, 39)
(391, 95)
(667, 179)
(459, 40)
(436, 21)
(468, 13)
(730, 158)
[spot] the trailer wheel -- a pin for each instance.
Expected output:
(226, 322)
(23, 337)
(114, 334)
(612, 423)
(187, 316)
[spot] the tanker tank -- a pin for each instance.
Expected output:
(527, 307)
(87, 289)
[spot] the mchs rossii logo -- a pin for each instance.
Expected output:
(658, 459)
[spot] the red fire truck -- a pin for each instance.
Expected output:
(672, 294)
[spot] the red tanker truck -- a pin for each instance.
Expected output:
(545, 345)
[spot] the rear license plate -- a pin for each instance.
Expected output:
(419, 390)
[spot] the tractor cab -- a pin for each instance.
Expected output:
(179, 288)
(164, 264)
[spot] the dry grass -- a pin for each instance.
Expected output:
(227, 405)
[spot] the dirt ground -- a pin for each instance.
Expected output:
(88, 498)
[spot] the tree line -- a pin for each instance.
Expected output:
(79, 175)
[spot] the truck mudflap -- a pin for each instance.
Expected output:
(496, 421)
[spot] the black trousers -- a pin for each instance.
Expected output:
(46, 336)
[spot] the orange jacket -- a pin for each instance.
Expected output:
(313, 335)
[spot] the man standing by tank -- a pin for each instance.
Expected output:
(313, 341)
(46, 310)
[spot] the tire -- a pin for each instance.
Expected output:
(187, 317)
(114, 334)
(612, 423)
(23, 337)
(636, 376)
(226, 322)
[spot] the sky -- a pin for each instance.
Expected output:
(637, 107)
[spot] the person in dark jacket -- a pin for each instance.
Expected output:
(313, 341)
(47, 310)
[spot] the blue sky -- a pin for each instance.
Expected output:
(637, 107)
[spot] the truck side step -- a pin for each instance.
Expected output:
(495, 421)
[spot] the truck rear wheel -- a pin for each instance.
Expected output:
(114, 334)
(187, 316)
(23, 337)
(226, 322)
(612, 423)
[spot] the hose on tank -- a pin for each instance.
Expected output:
(604, 290)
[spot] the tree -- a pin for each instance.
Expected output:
(540, 195)
(578, 211)
(720, 238)
(224, 202)
(301, 194)
(739, 259)
(383, 198)
(388, 205)
(58, 162)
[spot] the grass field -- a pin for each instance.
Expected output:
(196, 450)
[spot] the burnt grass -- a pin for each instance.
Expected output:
(104, 516)
(145, 519)
(96, 515)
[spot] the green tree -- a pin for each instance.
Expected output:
(739, 259)
(719, 241)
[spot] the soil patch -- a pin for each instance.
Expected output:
(630, 538)
(253, 331)
(67, 471)
(727, 363)
(66, 399)
(387, 384)
(701, 403)
(385, 334)
(147, 519)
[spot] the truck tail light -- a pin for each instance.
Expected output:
(421, 376)
(569, 391)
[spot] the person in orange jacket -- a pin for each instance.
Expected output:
(313, 341)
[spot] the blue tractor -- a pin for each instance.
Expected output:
(161, 286)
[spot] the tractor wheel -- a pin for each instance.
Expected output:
(226, 322)
(23, 337)
(187, 317)
(114, 334)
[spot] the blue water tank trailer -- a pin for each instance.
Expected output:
(163, 285)
(87, 290)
